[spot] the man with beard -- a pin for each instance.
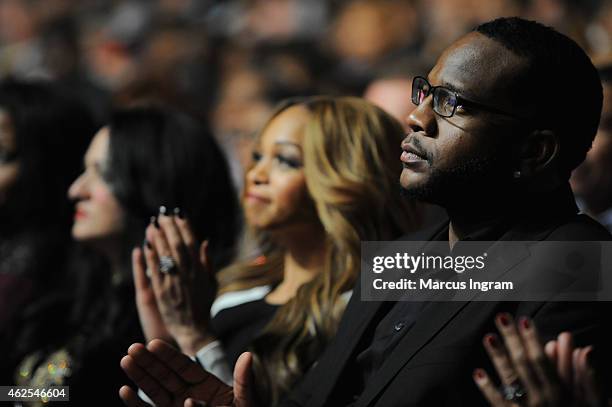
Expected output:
(493, 140)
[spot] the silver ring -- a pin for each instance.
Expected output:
(513, 392)
(167, 265)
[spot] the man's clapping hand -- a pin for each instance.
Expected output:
(172, 379)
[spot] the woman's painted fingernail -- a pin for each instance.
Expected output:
(491, 340)
(479, 374)
(504, 319)
(177, 212)
(163, 211)
(525, 323)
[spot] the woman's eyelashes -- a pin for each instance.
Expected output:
(283, 160)
(287, 161)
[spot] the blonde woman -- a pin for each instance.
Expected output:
(323, 179)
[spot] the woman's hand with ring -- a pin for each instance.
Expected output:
(185, 292)
(556, 375)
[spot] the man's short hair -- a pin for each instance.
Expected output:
(560, 77)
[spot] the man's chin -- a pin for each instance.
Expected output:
(420, 191)
(409, 178)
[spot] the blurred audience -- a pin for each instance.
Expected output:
(227, 63)
(231, 61)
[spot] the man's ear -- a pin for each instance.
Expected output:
(540, 149)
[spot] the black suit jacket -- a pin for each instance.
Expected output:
(433, 363)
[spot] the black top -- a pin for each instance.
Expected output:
(237, 327)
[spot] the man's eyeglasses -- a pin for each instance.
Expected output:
(445, 101)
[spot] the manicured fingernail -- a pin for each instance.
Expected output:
(177, 212)
(525, 323)
(154, 222)
(163, 211)
(503, 319)
(491, 340)
(479, 374)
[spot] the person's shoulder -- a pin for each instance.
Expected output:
(580, 227)
(235, 299)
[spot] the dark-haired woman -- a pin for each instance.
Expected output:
(144, 157)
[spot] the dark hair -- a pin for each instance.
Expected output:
(553, 59)
(52, 131)
(158, 156)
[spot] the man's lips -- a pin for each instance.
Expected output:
(411, 154)
(80, 214)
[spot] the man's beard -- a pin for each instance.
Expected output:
(469, 180)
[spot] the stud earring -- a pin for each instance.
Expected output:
(517, 174)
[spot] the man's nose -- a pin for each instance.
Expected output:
(423, 118)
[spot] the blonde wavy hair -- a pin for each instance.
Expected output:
(351, 152)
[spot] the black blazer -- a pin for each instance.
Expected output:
(433, 363)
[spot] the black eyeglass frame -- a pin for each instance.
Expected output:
(461, 101)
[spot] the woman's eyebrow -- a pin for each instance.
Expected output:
(288, 143)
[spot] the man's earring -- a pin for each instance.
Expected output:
(517, 174)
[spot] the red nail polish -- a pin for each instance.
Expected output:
(491, 340)
(479, 374)
(503, 319)
(525, 324)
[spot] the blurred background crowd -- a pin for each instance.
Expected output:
(228, 63)
(231, 61)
